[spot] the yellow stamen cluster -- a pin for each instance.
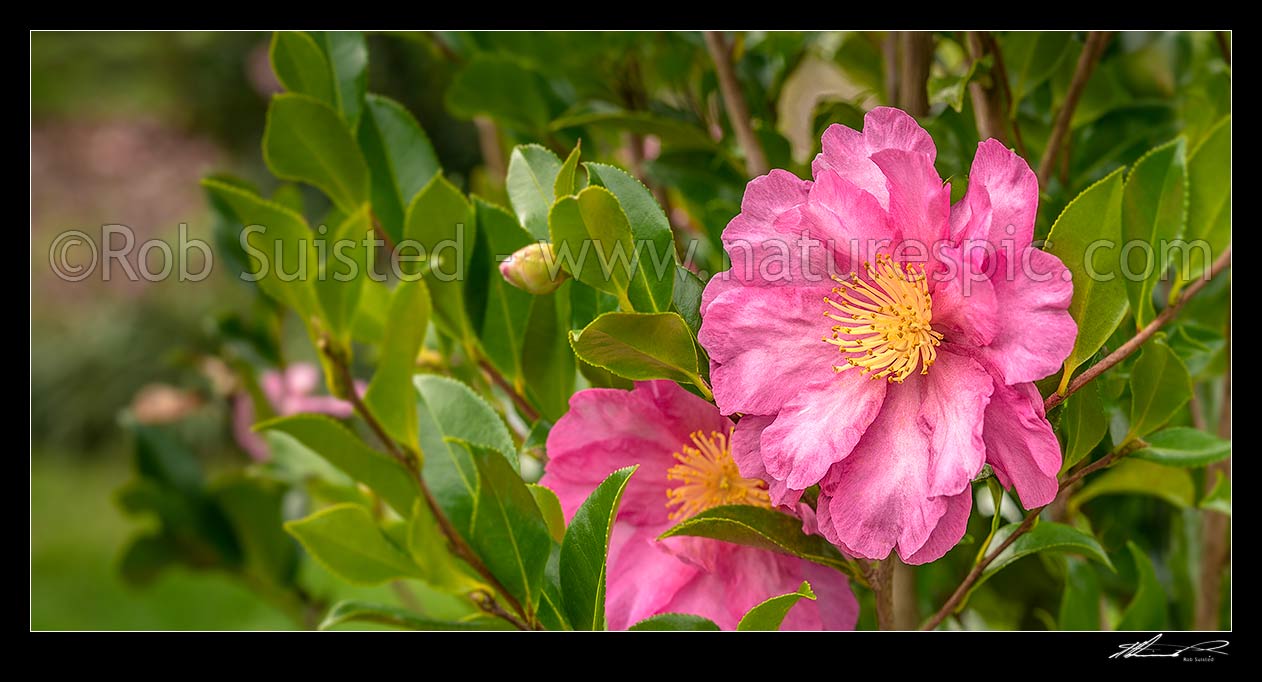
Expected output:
(708, 478)
(884, 321)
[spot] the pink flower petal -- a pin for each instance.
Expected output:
(1035, 331)
(965, 307)
(643, 577)
(747, 453)
(919, 204)
(1011, 192)
(848, 152)
(765, 344)
(954, 397)
(820, 427)
(950, 529)
(1020, 444)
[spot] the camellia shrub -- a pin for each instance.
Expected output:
(727, 331)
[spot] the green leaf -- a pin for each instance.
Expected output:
(498, 310)
(1030, 58)
(1219, 498)
(1085, 421)
(568, 181)
(347, 54)
(272, 229)
(640, 346)
(1139, 477)
(674, 133)
(1181, 446)
(390, 395)
(508, 531)
(429, 549)
(551, 605)
(441, 220)
(1154, 212)
(688, 289)
(594, 242)
(1099, 302)
(253, 506)
(341, 448)
(1147, 610)
(369, 323)
(1080, 603)
(354, 611)
(762, 528)
(585, 550)
(461, 414)
(649, 228)
(306, 141)
(1160, 387)
(1044, 537)
(400, 160)
(532, 174)
(497, 86)
(675, 622)
(344, 271)
(547, 360)
(770, 614)
(1209, 203)
(301, 66)
(550, 508)
(346, 540)
(146, 557)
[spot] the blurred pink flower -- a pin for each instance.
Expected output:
(881, 342)
(681, 443)
(288, 392)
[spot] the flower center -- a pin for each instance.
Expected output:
(884, 321)
(708, 478)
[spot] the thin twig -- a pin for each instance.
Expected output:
(1091, 52)
(527, 410)
(1221, 37)
(987, 108)
(890, 49)
(913, 78)
(734, 101)
(1215, 526)
(953, 602)
(1220, 264)
(881, 580)
(457, 544)
(1001, 75)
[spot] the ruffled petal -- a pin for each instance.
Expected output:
(955, 394)
(950, 529)
(765, 344)
(848, 152)
(965, 306)
(747, 453)
(1003, 183)
(643, 576)
(919, 204)
(1035, 331)
(1020, 444)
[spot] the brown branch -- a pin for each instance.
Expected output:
(1221, 37)
(1220, 264)
(1215, 526)
(988, 108)
(1001, 76)
(906, 611)
(913, 77)
(881, 580)
(527, 410)
(957, 597)
(890, 49)
(1087, 60)
(457, 544)
(734, 101)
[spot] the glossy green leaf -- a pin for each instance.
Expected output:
(639, 346)
(278, 245)
(508, 531)
(347, 54)
(594, 242)
(548, 364)
(675, 622)
(441, 220)
(341, 448)
(498, 86)
(1154, 213)
(584, 552)
(1030, 58)
(1209, 202)
(498, 310)
(390, 395)
(301, 66)
(687, 295)
(1219, 497)
(461, 414)
(253, 505)
(1160, 387)
(1182, 446)
(1099, 301)
(770, 614)
(400, 160)
(532, 174)
(346, 540)
(306, 141)
(355, 611)
(568, 180)
(344, 271)
(1044, 537)
(430, 549)
(654, 241)
(1080, 603)
(1147, 609)
(1084, 421)
(1138, 477)
(763, 528)
(551, 605)
(550, 508)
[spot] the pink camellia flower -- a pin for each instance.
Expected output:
(881, 343)
(681, 443)
(288, 392)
